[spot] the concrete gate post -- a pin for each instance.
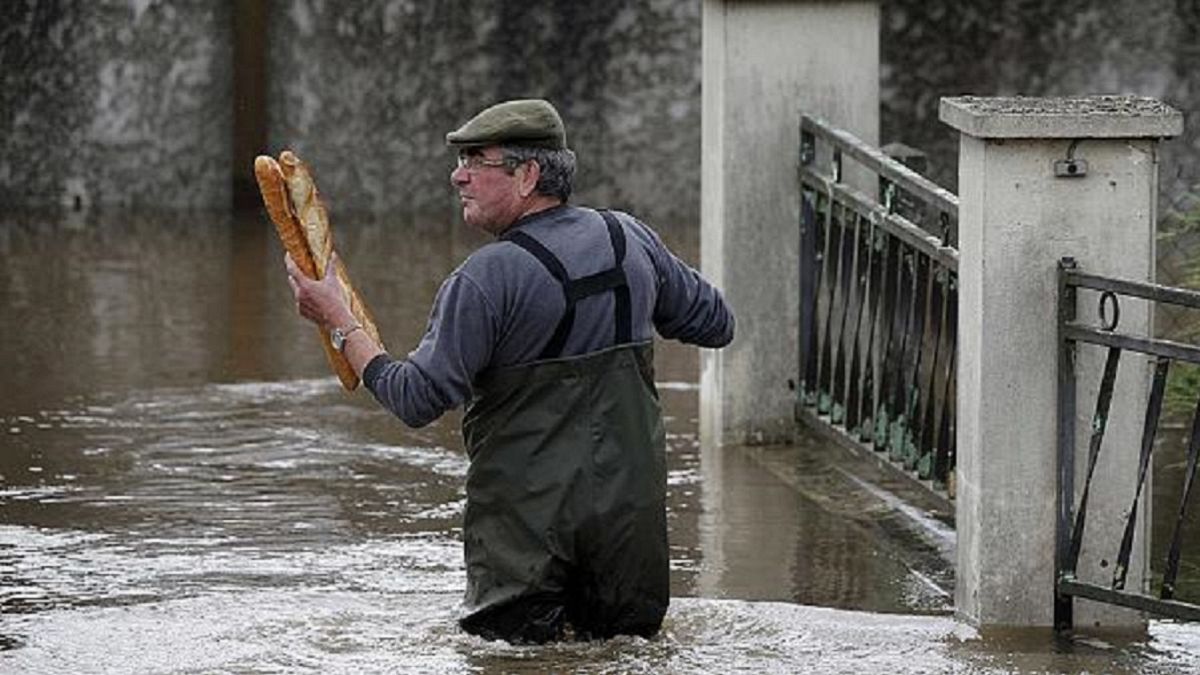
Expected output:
(764, 63)
(1017, 217)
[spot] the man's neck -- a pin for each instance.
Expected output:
(540, 203)
(535, 204)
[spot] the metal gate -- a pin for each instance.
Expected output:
(878, 305)
(1072, 518)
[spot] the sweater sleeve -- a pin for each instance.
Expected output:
(688, 308)
(437, 375)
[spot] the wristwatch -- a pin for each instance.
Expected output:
(338, 336)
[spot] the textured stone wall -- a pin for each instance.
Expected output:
(1040, 48)
(128, 102)
(366, 91)
(114, 103)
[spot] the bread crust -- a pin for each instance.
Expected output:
(302, 223)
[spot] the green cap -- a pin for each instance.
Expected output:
(532, 122)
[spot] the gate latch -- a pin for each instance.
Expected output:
(1071, 167)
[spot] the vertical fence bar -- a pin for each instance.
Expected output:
(836, 299)
(838, 324)
(828, 274)
(906, 310)
(918, 396)
(808, 279)
(888, 312)
(1149, 429)
(1099, 423)
(821, 219)
(950, 425)
(878, 274)
(944, 450)
(944, 447)
(863, 276)
(949, 230)
(1171, 571)
(808, 271)
(937, 313)
(848, 268)
(1064, 608)
(910, 362)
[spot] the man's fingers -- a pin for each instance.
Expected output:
(316, 299)
(333, 281)
(293, 269)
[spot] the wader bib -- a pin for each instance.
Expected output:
(566, 491)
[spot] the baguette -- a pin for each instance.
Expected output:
(300, 219)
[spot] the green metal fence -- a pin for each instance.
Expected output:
(878, 293)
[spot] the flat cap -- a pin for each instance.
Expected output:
(531, 122)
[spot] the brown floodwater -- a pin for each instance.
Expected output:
(184, 487)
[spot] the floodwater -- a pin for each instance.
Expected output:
(185, 488)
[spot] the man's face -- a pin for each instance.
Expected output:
(488, 190)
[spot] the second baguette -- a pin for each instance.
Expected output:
(305, 233)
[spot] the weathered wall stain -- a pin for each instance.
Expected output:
(367, 91)
(114, 103)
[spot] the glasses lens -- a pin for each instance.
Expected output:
(475, 162)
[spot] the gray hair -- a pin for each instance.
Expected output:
(557, 168)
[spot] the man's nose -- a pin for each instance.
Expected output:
(459, 175)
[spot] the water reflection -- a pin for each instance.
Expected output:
(821, 532)
(184, 487)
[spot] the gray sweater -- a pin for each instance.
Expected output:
(500, 307)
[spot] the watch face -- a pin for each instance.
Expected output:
(338, 340)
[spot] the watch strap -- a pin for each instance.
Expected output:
(340, 335)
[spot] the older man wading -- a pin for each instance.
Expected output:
(545, 335)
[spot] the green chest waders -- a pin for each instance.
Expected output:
(566, 491)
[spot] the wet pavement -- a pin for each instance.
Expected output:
(185, 488)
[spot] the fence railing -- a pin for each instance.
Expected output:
(878, 304)
(1071, 519)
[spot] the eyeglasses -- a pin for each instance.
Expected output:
(474, 163)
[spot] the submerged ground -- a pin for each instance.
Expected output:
(185, 488)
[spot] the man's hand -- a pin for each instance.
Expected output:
(323, 302)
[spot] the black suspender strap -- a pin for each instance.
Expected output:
(594, 284)
(576, 289)
(551, 263)
(624, 313)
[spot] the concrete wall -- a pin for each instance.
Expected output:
(764, 63)
(366, 92)
(131, 103)
(115, 103)
(101, 99)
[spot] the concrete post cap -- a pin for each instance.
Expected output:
(1061, 117)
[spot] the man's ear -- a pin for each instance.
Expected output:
(529, 178)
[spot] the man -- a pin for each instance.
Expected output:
(545, 334)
